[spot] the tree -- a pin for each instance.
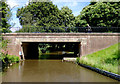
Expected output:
(46, 17)
(39, 14)
(103, 14)
(5, 15)
(67, 18)
(80, 22)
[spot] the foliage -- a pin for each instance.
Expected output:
(12, 58)
(4, 57)
(5, 15)
(4, 44)
(43, 14)
(8, 59)
(77, 60)
(103, 14)
(52, 49)
(66, 17)
(39, 29)
(47, 29)
(79, 22)
(106, 59)
(45, 17)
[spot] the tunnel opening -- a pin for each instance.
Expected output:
(50, 50)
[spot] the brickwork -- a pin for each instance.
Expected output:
(90, 42)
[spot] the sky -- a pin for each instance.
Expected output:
(75, 5)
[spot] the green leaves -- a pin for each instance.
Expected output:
(45, 14)
(67, 18)
(104, 14)
(4, 44)
(6, 15)
(39, 14)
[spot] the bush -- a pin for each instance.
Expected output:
(8, 59)
(16, 59)
(77, 59)
(12, 58)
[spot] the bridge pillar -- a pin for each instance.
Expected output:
(80, 52)
(25, 49)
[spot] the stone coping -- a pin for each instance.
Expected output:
(61, 34)
(103, 72)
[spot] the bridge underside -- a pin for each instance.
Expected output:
(31, 51)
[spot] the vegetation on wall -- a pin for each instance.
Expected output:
(5, 58)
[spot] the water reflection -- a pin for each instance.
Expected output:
(51, 71)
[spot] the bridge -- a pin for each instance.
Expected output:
(87, 42)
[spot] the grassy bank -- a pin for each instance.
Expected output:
(106, 59)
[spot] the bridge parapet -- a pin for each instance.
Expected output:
(61, 34)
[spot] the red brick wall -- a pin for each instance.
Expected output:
(94, 42)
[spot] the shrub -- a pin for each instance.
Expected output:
(77, 59)
(16, 59)
(8, 59)
(12, 58)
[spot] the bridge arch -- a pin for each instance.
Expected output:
(30, 49)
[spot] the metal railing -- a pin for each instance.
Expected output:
(67, 30)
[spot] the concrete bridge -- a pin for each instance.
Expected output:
(87, 42)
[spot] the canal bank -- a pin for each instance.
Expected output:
(105, 61)
(103, 72)
(51, 71)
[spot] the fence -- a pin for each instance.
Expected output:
(66, 29)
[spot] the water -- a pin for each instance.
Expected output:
(51, 71)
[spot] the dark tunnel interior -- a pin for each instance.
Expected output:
(50, 50)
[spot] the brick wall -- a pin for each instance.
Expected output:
(90, 42)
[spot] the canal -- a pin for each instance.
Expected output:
(51, 71)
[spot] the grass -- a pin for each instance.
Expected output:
(106, 59)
